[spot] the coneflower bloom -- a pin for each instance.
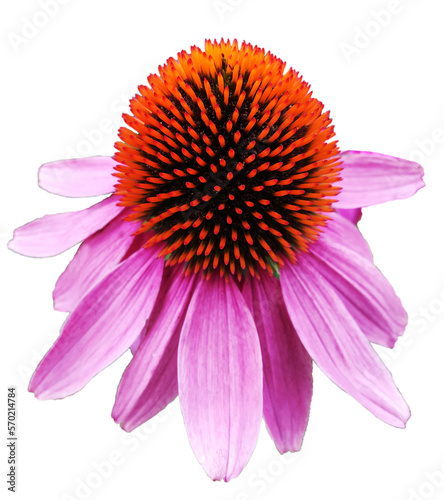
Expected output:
(226, 257)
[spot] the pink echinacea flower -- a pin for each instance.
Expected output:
(226, 256)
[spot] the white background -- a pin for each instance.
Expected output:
(64, 85)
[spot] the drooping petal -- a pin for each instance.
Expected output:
(55, 233)
(96, 257)
(288, 379)
(101, 328)
(220, 378)
(78, 177)
(343, 231)
(336, 344)
(363, 289)
(372, 178)
(150, 380)
(354, 215)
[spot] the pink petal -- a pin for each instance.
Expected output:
(335, 342)
(101, 328)
(78, 177)
(55, 233)
(342, 230)
(362, 288)
(372, 178)
(150, 380)
(96, 257)
(288, 379)
(354, 215)
(220, 378)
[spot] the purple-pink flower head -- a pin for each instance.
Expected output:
(226, 257)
